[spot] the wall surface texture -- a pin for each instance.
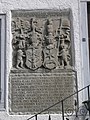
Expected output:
(5, 8)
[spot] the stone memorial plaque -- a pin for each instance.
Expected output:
(35, 92)
(42, 68)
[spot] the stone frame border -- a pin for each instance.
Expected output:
(2, 61)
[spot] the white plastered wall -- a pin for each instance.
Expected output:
(5, 8)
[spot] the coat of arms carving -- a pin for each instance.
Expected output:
(41, 41)
(33, 57)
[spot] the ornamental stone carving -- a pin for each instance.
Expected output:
(41, 42)
(41, 73)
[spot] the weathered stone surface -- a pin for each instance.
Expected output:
(41, 39)
(42, 66)
(33, 92)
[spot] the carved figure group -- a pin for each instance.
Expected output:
(38, 45)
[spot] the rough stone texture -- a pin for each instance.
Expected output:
(5, 116)
(41, 42)
(42, 38)
(34, 92)
(7, 5)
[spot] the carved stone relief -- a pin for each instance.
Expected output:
(41, 42)
(41, 73)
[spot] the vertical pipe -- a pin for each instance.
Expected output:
(49, 117)
(77, 90)
(35, 117)
(88, 99)
(62, 110)
(88, 92)
(77, 102)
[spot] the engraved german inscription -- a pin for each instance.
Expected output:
(33, 94)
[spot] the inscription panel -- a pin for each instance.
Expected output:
(33, 93)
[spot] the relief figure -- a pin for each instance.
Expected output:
(20, 56)
(64, 56)
(64, 47)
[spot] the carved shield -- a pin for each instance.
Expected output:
(33, 58)
(50, 57)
